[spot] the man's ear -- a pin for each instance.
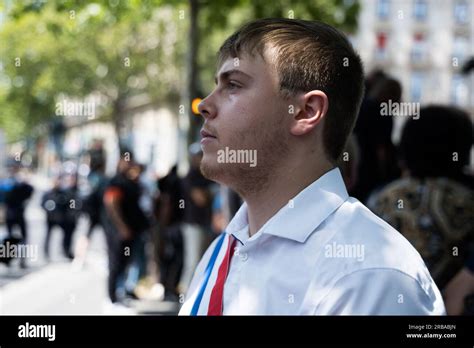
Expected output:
(313, 106)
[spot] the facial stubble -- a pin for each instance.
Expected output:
(270, 143)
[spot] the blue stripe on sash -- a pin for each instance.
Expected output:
(207, 274)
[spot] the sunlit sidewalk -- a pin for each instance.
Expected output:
(61, 287)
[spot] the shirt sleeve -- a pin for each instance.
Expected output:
(380, 292)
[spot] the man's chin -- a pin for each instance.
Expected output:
(210, 168)
(219, 172)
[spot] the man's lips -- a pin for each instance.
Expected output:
(206, 134)
(207, 137)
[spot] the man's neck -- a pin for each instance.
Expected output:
(283, 186)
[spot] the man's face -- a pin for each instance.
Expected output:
(244, 112)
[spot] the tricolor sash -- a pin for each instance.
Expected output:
(209, 295)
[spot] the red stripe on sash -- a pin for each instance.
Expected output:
(217, 294)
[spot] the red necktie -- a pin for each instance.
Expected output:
(217, 294)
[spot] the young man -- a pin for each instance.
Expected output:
(289, 91)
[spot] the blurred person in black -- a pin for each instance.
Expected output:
(93, 208)
(123, 220)
(377, 164)
(348, 162)
(17, 193)
(96, 154)
(139, 267)
(169, 212)
(459, 293)
(197, 230)
(432, 205)
(97, 181)
(61, 205)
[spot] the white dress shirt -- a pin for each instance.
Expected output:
(323, 253)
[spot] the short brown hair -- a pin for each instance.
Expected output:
(311, 55)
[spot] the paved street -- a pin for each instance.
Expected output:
(56, 287)
(59, 287)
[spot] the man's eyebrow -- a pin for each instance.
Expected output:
(226, 74)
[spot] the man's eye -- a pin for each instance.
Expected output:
(232, 85)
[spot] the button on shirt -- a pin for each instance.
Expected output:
(322, 253)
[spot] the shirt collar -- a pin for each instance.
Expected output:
(303, 214)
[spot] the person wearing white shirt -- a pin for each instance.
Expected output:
(287, 96)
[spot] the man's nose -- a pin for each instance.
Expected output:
(207, 108)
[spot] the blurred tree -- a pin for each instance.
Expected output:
(116, 50)
(112, 50)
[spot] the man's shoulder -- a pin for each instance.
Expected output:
(357, 239)
(357, 248)
(353, 221)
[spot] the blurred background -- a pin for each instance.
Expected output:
(103, 209)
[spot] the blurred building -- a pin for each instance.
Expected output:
(151, 134)
(423, 43)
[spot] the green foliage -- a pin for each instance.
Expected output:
(69, 48)
(78, 48)
(226, 16)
